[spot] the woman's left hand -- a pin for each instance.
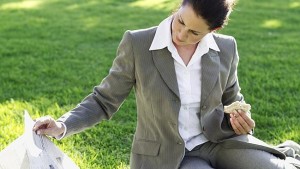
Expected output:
(241, 122)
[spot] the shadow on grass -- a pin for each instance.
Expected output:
(106, 145)
(54, 52)
(58, 49)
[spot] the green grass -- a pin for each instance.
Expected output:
(52, 53)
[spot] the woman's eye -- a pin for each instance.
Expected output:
(180, 22)
(195, 33)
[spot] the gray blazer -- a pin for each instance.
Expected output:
(157, 142)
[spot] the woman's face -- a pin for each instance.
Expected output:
(187, 27)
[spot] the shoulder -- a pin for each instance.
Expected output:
(223, 39)
(141, 32)
(225, 42)
(147, 33)
(140, 37)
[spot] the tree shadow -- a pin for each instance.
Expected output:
(52, 46)
(53, 53)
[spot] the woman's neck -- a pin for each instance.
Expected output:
(186, 52)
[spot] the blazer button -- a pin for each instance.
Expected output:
(203, 107)
(180, 143)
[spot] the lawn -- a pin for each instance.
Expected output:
(53, 53)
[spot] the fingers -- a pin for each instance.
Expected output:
(241, 122)
(42, 123)
(43, 132)
(46, 125)
(234, 126)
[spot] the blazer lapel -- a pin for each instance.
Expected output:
(165, 65)
(210, 63)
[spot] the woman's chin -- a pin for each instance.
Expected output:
(178, 43)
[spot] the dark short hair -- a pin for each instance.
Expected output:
(214, 12)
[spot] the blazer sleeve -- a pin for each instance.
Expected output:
(107, 97)
(232, 90)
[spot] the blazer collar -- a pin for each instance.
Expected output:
(210, 71)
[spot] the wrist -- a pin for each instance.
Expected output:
(61, 129)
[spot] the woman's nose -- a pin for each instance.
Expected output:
(182, 34)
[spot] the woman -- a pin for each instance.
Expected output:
(183, 75)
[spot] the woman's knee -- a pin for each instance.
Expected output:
(194, 163)
(249, 159)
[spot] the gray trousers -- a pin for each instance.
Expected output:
(213, 156)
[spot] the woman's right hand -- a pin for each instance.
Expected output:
(48, 126)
